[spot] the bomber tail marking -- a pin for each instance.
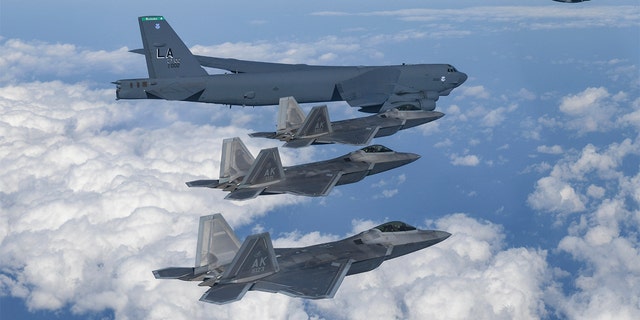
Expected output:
(167, 56)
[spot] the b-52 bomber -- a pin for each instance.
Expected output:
(246, 178)
(314, 272)
(316, 128)
(176, 74)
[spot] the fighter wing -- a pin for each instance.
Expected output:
(316, 282)
(306, 185)
(358, 137)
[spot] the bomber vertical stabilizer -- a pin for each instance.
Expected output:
(167, 56)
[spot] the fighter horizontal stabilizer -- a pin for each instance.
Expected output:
(203, 183)
(181, 273)
(255, 259)
(244, 194)
(225, 293)
(299, 143)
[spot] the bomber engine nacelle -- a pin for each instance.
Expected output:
(425, 101)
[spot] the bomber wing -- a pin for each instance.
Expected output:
(244, 66)
(315, 282)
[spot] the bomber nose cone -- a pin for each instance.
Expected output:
(462, 77)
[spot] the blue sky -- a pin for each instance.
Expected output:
(534, 169)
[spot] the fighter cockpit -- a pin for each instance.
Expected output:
(376, 148)
(395, 226)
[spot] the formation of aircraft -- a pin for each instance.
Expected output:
(401, 96)
(298, 130)
(246, 178)
(313, 272)
(176, 74)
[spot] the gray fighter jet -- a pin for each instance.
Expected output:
(176, 74)
(300, 131)
(313, 272)
(247, 178)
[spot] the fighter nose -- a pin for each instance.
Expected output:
(442, 235)
(412, 157)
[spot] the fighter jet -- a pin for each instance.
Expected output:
(300, 131)
(176, 74)
(247, 178)
(313, 272)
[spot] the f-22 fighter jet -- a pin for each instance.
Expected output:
(314, 272)
(176, 74)
(247, 178)
(316, 128)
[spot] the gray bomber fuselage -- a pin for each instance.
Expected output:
(310, 84)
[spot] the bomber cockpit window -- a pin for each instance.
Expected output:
(395, 226)
(376, 148)
(451, 68)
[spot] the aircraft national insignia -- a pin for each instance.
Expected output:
(157, 26)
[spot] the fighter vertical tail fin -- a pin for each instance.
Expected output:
(236, 159)
(217, 246)
(317, 123)
(167, 56)
(267, 169)
(290, 115)
(217, 243)
(255, 259)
